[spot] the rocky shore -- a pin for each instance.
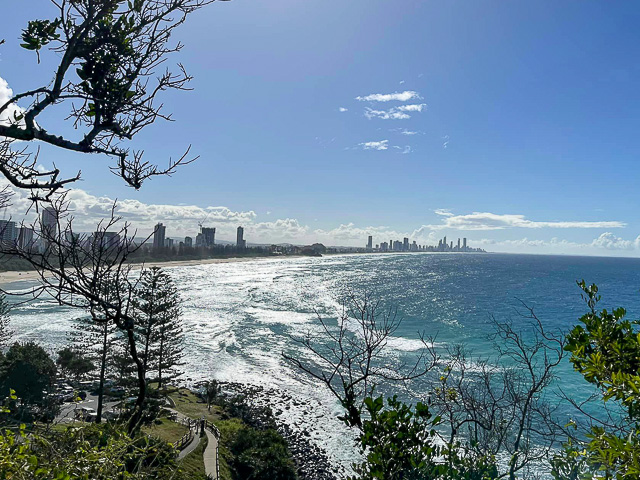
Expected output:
(265, 407)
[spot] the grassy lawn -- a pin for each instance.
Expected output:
(193, 465)
(190, 405)
(166, 430)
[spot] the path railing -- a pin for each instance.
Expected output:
(184, 441)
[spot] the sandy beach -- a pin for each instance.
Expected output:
(19, 276)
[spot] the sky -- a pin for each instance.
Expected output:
(513, 124)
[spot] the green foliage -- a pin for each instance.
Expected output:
(260, 454)
(40, 33)
(97, 452)
(605, 349)
(159, 326)
(400, 442)
(29, 371)
(74, 363)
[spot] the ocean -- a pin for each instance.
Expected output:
(239, 316)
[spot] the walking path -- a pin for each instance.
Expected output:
(183, 419)
(190, 447)
(210, 456)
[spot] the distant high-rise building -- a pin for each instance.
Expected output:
(25, 238)
(208, 236)
(405, 244)
(444, 242)
(370, 243)
(48, 226)
(188, 242)
(464, 244)
(105, 240)
(8, 233)
(168, 242)
(240, 241)
(158, 236)
(451, 245)
(458, 244)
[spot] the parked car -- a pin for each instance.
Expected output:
(86, 414)
(117, 391)
(110, 415)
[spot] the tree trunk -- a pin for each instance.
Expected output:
(160, 352)
(136, 416)
(103, 364)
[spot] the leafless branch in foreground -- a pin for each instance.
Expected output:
(353, 357)
(501, 406)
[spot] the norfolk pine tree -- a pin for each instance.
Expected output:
(159, 326)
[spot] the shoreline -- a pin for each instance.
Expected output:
(13, 276)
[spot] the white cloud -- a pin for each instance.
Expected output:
(609, 241)
(8, 116)
(281, 230)
(391, 114)
(396, 113)
(380, 145)
(358, 235)
(493, 221)
(387, 97)
(342, 109)
(405, 150)
(418, 107)
(605, 242)
(445, 212)
(408, 132)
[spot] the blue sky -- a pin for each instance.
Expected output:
(524, 119)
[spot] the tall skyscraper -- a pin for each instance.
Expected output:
(405, 244)
(208, 236)
(240, 241)
(458, 244)
(8, 232)
(188, 242)
(49, 222)
(464, 244)
(25, 238)
(370, 243)
(158, 236)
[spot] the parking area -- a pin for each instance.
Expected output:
(78, 411)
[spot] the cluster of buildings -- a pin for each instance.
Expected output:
(206, 238)
(24, 237)
(14, 235)
(405, 246)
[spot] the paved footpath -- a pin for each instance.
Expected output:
(196, 437)
(210, 456)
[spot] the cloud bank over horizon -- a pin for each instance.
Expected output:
(182, 220)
